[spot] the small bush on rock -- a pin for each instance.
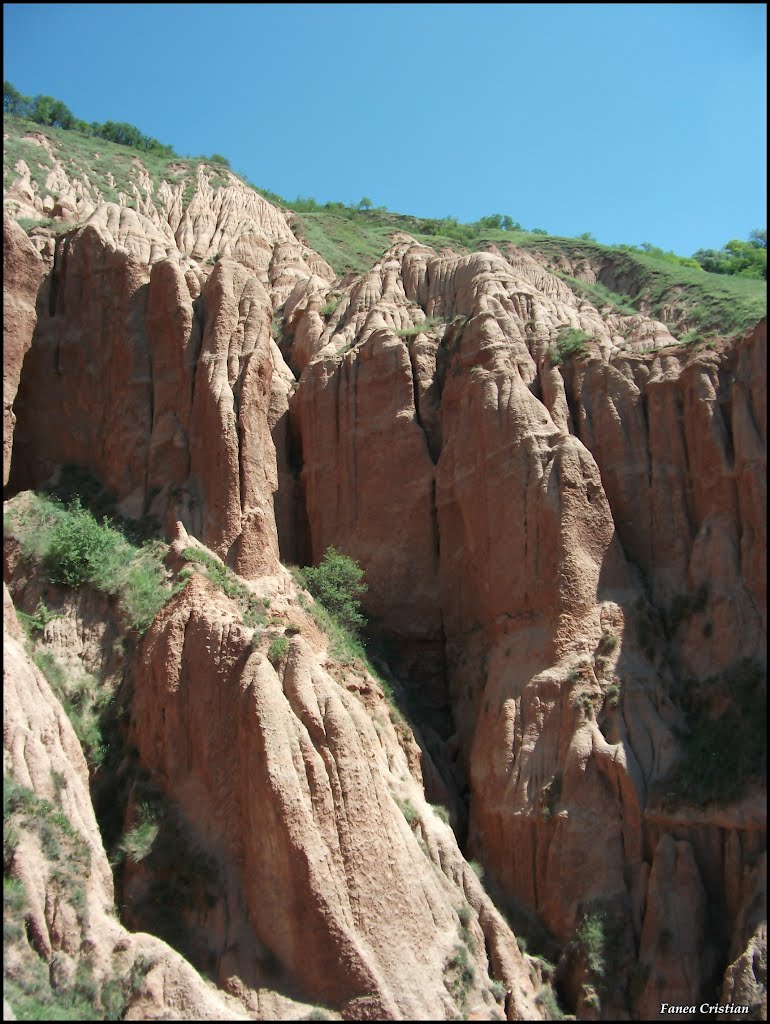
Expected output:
(337, 583)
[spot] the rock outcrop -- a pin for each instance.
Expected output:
(69, 892)
(22, 273)
(563, 536)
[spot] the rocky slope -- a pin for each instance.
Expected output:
(561, 515)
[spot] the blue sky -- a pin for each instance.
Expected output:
(634, 122)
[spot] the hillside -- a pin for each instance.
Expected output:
(529, 779)
(90, 170)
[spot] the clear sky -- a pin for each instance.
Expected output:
(634, 122)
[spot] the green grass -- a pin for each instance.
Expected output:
(345, 645)
(591, 937)
(460, 975)
(707, 301)
(408, 810)
(612, 696)
(75, 549)
(599, 295)
(68, 862)
(33, 990)
(607, 643)
(57, 226)
(442, 812)
(477, 869)
(37, 621)
(329, 307)
(138, 842)
(183, 880)
(84, 700)
(547, 1000)
(78, 154)
(421, 328)
(353, 240)
(277, 649)
(570, 342)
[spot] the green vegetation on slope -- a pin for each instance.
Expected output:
(744, 259)
(108, 166)
(675, 289)
(76, 549)
(657, 285)
(53, 113)
(251, 608)
(35, 988)
(337, 583)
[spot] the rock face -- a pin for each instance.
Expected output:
(565, 552)
(22, 273)
(175, 369)
(292, 785)
(223, 216)
(543, 559)
(322, 879)
(42, 754)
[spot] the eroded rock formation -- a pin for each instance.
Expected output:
(564, 551)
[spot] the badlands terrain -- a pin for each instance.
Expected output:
(534, 786)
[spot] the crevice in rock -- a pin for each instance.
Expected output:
(573, 400)
(55, 276)
(725, 407)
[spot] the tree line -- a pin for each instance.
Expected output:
(53, 113)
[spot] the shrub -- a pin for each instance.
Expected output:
(442, 812)
(277, 329)
(37, 621)
(572, 342)
(336, 583)
(498, 990)
(277, 649)
(329, 307)
(345, 644)
(591, 997)
(477, 869)
(81, 551)
(137, 843)
(421, 328)
(547, 1000)
(608, 643)
(591, 937)
(59, 840)
(585, 702)
(550, 795)
(465, 974)
(14, 897)
(712, 768)
(83, 700)
(690, 339)
(408, 810)
(77, 550)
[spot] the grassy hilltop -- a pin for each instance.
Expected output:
(351, 238)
